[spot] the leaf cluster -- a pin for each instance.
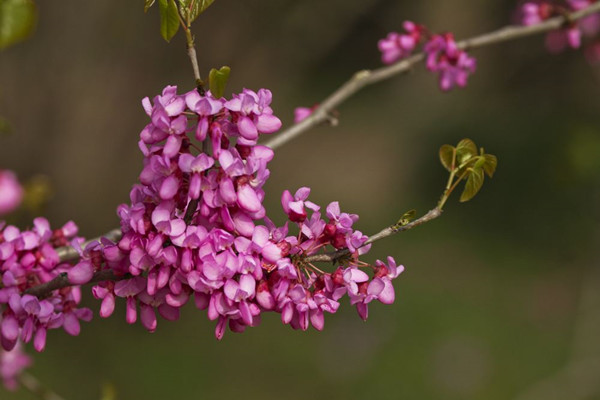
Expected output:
(465, 162)
(17, 20)
(174, 13)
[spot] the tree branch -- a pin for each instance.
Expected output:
(389, 231)
(62, 281)
(367, 77)
(69, 253)
(323, 113)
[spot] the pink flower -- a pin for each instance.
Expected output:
(532, 13)
(12, 364)
(452, 64)
(301, 113)
(397, 46)
(11, 192)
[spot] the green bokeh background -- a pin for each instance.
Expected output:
(498, 294)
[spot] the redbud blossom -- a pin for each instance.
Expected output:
(11, 192)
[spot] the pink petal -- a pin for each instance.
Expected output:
(131, 310)
(148, 317)
(247, 128)
(248, 199)
(317, 319)
(71, 324)
(387, 295)
(10, 328)
(268, 123)
(363, 310)
(169, 187)
(81, 273)
(108, 306)
(248, 284)
(39, 340)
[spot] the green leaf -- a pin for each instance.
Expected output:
(217, 79)
(148, 4)
(447, 154)
(407, 217)
(5, 128)
(490, 164)
(169, 19)
(474, 183)
(17, 19)
(108, 392)
(195, 7)
(465, 150)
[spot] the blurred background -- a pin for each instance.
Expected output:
(501, 296)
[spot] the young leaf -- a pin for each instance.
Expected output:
(490, 164)
(17, 19)
(217, 79)
(474, 183)
(465, 150)
(196, 7)
(5, 128)
(447, 156)
(169, 19)
(148, 4)
(407, 217)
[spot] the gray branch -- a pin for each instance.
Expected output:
(366, 77)
(389, 231)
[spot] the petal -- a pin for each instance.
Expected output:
(363, 310)
(247, 128)
(248, 199)
(268, 123)
(148, 317)
(317, 319)
(387, 295)
(71, 324)
(355, 275)
(230, 289)
(248, 284)
(108, 306)
(131, 310)
(9, 328)
(81, 273)
(245, 313)
(39, 340)
(172, 146)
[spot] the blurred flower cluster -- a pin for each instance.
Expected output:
(28, 258)
(571, 35)
(452, 64)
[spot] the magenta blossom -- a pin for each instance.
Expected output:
(12, 364)
(452, 64)
(397, 46)
(11, 192)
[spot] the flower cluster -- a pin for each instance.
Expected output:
(29, 258)
(11, 192)
(196, 226)
(452, 64)
(534, 12)
(12, 364)
(397, 46)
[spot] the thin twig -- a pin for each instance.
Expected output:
(32, 384)
(69, 253)
(389, 231)
(62, 281)
(367, 77)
